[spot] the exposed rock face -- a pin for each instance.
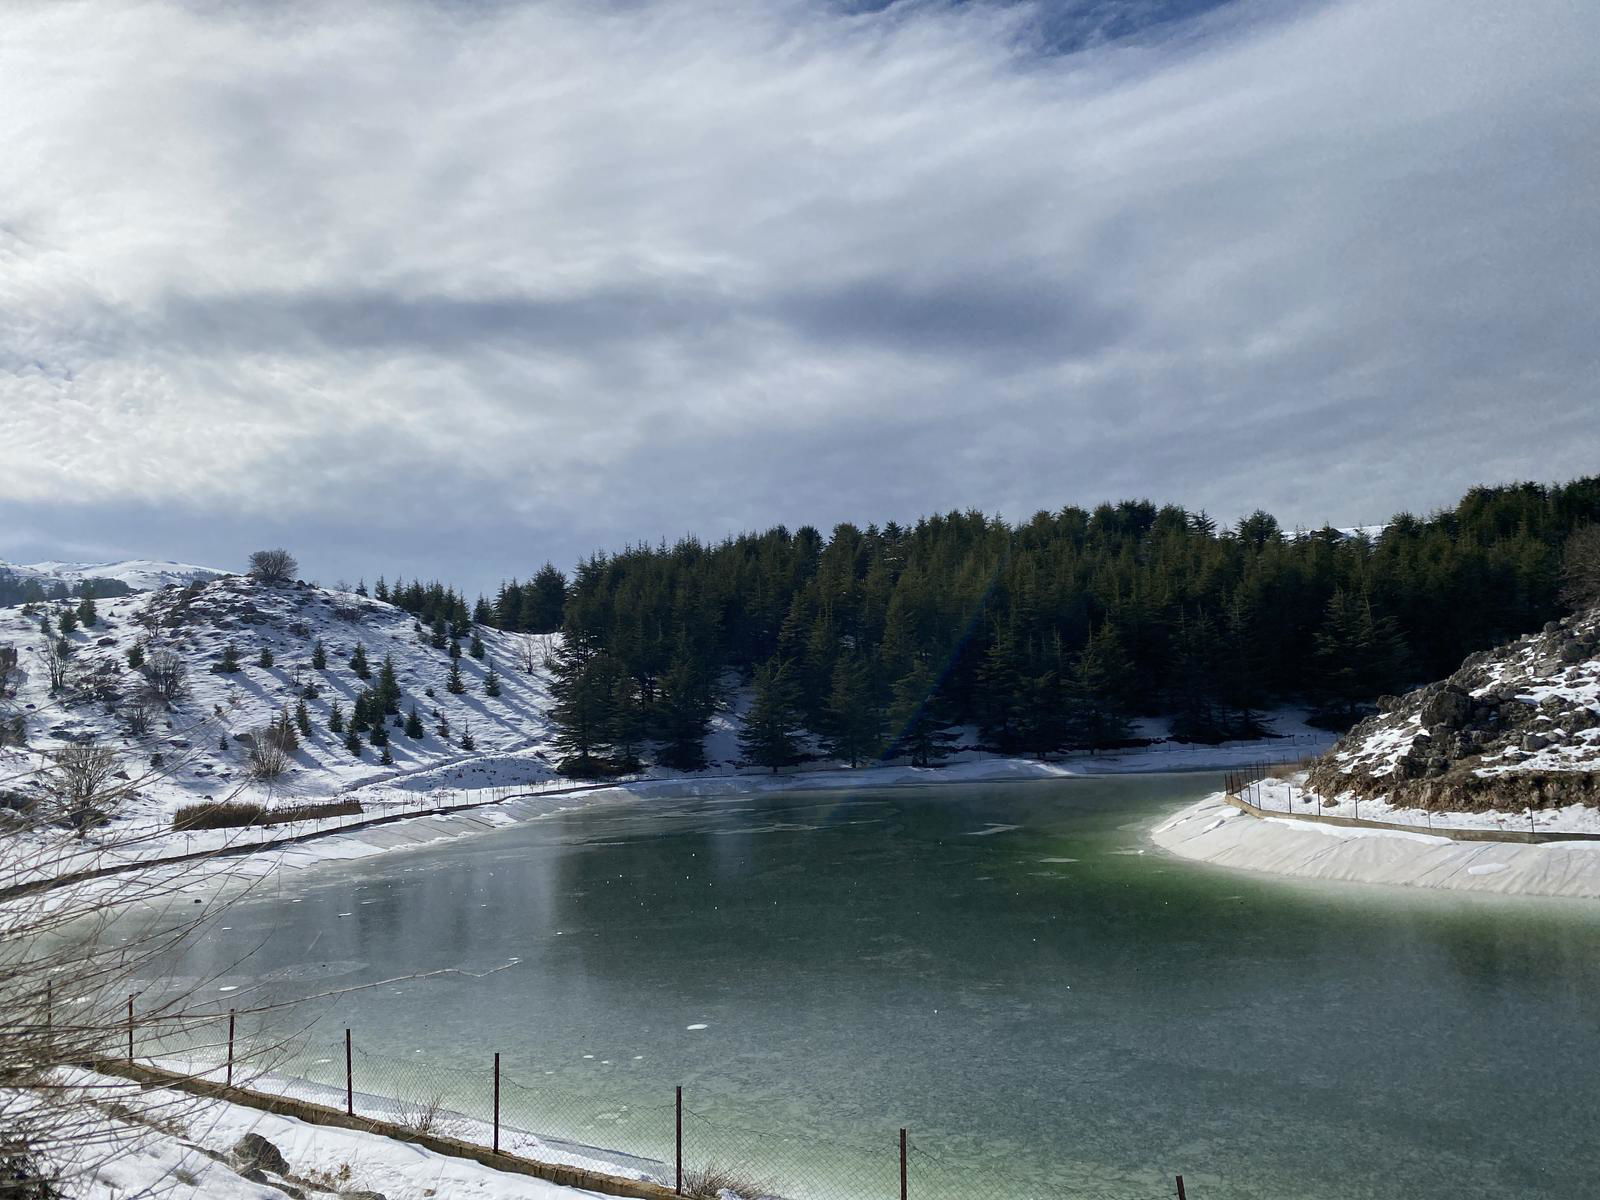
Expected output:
(254, 1152)
(1515, 727)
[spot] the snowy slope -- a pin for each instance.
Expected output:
(197, 622)
(140, 574)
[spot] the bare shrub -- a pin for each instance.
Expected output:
(422, 1116)
(166, 676)
(273, 568)
(57, 655)
(78, 782)
(711, 1180)
(137, 715)
(268, 759)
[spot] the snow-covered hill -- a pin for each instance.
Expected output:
(1514, 727)
(199, 736)
(140, 574)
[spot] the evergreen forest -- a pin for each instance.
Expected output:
(1045, 636)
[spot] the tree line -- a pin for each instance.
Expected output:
(1047, 635)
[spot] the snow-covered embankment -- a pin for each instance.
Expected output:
(1214, 831)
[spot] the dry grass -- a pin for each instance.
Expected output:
(710, 1181)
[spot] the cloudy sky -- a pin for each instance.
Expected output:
(451, 288)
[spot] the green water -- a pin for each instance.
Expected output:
(1050, 1005)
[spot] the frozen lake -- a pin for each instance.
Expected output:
(1010, 971)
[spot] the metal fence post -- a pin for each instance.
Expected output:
(1181, 1195)
(349, 1079)
(230, 1047)
(902, 1164)
(497, 1102)
(130, 1029)
(679, 1188)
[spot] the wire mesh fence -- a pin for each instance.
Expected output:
(708, 1151)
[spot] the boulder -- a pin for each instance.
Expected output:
(1534, 741)
(1448, 708)
(254, 1152)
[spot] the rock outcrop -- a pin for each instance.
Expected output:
(1514, 727)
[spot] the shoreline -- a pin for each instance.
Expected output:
(1216, 833)
(389, 830)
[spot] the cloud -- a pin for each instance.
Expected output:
(598, 273)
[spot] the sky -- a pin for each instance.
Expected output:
(453, 288)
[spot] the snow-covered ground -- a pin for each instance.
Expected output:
(1214, 831)
(199, 737)
(186, 1158)
(1290, 796)
(140, 574)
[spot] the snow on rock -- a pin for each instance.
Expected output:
(1515, 727)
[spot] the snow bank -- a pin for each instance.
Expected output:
(1214, 831)
(177, 1165)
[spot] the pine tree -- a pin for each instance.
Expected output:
(1359, 655)
(917, 722)
(336, 718)
(378, 732)
(67, 622)
(281, 732)
(319, 656)
(1102, 681)
(387, 757)
(455, 647)
(625, 729)
(443, 727)
(352, 741)
(491, 682)
(468, 742)
(581, 686)
(770, 734)
(302, 718)
(388, 688)
(1000, 701)
(855, 718)
(682, 714)
(455, 685)
(544, 601)
(414, 728)
(361, 587)
(438, 640)
(358, 662)
(86, 611)
(265, 661)
(136, 656)
(476, 648)
(229, 662)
